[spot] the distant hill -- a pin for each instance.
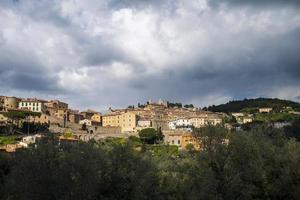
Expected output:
(237, 106)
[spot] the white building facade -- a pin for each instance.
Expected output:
(32, 105)
(86, 122)
(181, 124)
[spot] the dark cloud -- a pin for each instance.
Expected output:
(22, 70)
(97, 54)
(43, 11)
(32, 82)
(273, 63)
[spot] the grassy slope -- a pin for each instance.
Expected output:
(7, 140)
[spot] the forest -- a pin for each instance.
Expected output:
(239, 105)
(261, 163)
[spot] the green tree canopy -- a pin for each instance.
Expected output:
(148, 135)
(21, 114)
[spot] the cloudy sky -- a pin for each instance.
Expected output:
(100, 53)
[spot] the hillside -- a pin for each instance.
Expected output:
(237, 106)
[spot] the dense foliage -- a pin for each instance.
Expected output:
(293, 131)
(276, 117)
(24, 128)
(150, 136)
(14, 124)
(7, 140)
(21, 114)
(258, 164)
(237, 106)
(175, 104)
(189, 106)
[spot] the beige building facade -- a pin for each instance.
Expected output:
(7, 103)
(202, 121)
(265, 110)
(127, 121)
(96, 117)
(181, 139)
(198, 122)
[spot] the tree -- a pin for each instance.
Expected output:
(210, 137)
(83, 127)
(293, 131)
(141, 105)
(5, 165)
(81, 171)
(160, 135)
(148, 135)
(189, 106)
(257, 164)
(16, 116)
(68, 134)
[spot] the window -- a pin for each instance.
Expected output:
(178, 141)
(172, 141)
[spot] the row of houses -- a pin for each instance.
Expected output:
(130, 120)
(46, 108)
(195, 122)
(158, 115)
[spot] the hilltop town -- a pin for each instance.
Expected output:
(173, 120)
(166, 147)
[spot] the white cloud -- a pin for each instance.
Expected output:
(149, 51)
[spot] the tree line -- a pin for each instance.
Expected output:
(238, 105)
(261, 163)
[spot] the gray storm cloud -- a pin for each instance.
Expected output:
(117, 52)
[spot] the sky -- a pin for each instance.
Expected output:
(101, 53)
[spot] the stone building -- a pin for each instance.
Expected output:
(7, 103)
(57, 108)
(181, 139)
(74, 116)
(88, 114)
